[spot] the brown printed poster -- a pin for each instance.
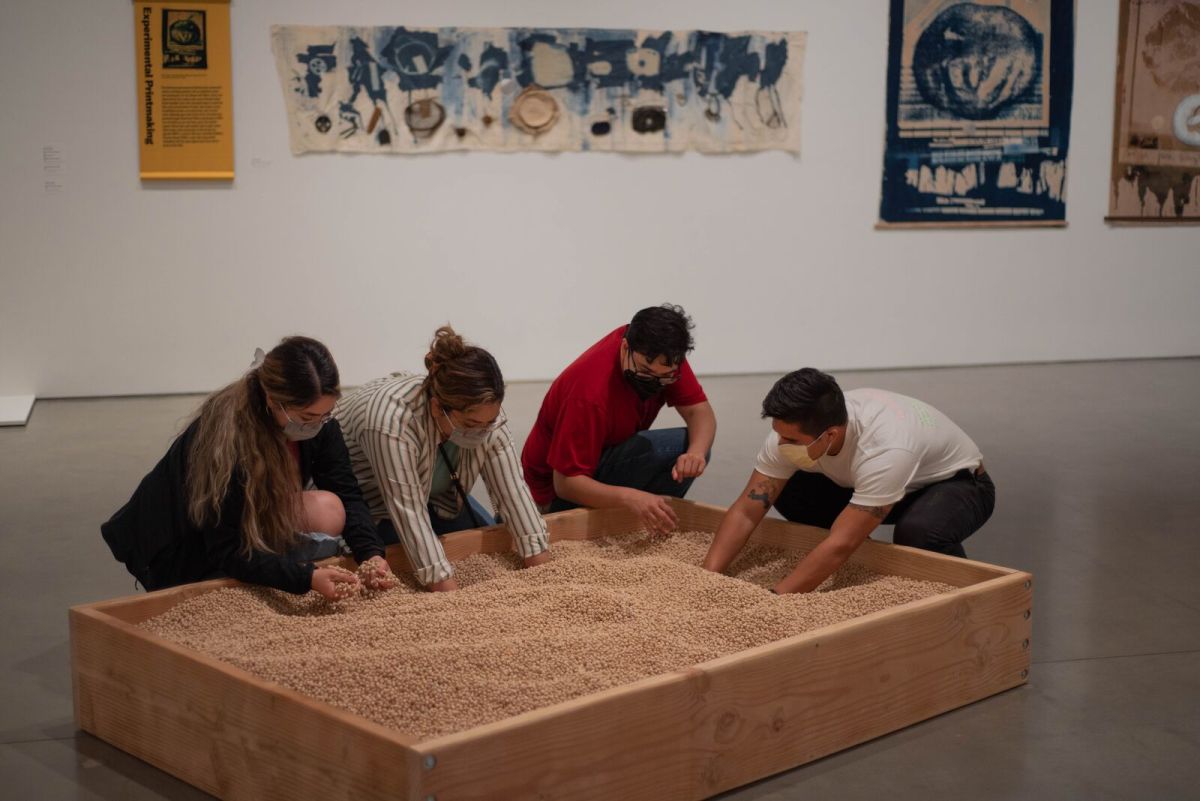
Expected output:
(1156, 139)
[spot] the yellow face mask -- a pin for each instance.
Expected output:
(798, 454)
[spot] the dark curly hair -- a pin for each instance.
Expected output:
(661, 331)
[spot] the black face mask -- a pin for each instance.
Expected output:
(644, 386)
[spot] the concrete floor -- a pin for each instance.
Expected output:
(1096, 497)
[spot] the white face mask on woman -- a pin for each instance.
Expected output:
(470, 438)
(298, 431)
(798, 454)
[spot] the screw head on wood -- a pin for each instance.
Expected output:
(1028, 583)
(1025, 645)
(1027, 614)
(1024, 673)
(430, 761)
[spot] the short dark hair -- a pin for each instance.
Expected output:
(807, 398)
(661, 331)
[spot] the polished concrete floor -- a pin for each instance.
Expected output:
(1096, 467)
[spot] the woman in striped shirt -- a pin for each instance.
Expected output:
(417, 444)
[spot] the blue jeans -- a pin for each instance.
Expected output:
(644, 462)
(440, 524)
(315, 546)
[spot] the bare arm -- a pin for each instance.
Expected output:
(849, 530)
(587, 491)
(654, 511)
(701, 424)
(742, 518)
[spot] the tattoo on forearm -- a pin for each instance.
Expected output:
(764, 492)
(879, 512)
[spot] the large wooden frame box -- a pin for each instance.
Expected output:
(683, 735)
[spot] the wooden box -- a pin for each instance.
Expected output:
(683, 735)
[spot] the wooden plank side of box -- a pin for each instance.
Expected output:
(217, 727)
(693, 734)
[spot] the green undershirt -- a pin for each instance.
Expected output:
(441, 471)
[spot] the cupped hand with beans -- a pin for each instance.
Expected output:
(334, 583)
(376, 574)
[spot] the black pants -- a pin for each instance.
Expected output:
(644, 462)
(937, 518)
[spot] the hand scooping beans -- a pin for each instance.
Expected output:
(335, 583)
(376, 574)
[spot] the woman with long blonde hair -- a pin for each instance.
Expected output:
(257, 487)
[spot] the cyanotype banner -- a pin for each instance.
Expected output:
(406, 90)
(978, 112)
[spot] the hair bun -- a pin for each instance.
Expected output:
(461, 375)
(446, 346)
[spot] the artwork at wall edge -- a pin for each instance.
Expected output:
(429, 90)
(978, 113)
(1156, 125)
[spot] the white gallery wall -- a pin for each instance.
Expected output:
(110, 287)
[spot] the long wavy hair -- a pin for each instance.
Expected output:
(237, 438)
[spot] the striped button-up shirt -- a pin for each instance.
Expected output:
(393, 443)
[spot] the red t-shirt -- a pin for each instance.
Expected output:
(590, 407)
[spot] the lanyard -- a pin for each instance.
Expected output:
(458, 486)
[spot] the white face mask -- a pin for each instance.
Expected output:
(468, 438)
(298, 431)
(798, 455)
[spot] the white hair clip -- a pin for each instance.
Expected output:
(259, 358)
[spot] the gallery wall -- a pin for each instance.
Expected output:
(111, 287)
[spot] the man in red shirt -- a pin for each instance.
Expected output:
(590, 445)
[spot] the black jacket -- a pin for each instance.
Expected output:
(160, 546)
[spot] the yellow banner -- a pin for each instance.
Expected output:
(185, 89)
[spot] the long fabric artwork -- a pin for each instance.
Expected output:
(417, 90)
(1156, 141)
(978, 112)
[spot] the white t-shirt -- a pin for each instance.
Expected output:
(894, 445)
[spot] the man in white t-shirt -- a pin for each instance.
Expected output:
(849, 462)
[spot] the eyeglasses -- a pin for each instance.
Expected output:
(488, 428)
(323, 419)
(645, 373)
